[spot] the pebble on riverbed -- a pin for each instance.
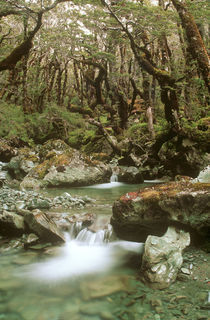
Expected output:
(12, 200)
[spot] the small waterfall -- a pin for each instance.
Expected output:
(3, 173)
(88, 253)
(99, 237)
(75, 229)
(204, 176)
(114, 178)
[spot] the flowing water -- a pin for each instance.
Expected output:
(78, 280)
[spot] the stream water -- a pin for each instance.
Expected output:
(75, 281)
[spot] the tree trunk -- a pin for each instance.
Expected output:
(166, 81)
(195, 41)
(23, 49)
(147, 101)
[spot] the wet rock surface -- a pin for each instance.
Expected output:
(151, 210)
(46, 229)
(28, 211)
(130, 175)
(162, 258)
(60, 165)
(11, 224)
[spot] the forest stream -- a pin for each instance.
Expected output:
(91, 90)
(92, 278)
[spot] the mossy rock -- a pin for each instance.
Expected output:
(53, 159)
(58, 145)
(150, 211)
(41, 169)
(28, 154)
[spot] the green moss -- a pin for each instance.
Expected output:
(138, 129)
(28, 155)
(12, 122)
(53, 159)
(167, 190)
(41, 169)
(198, 131)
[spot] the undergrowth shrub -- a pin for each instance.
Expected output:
(12, 122)
(54, 123)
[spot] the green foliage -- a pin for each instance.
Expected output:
(198, 131)
(75, 100)
(89, 135)
(54, 122)
(73, 119)
(137, 130)
(103, 119)
(12, 122)
(75, 138)
(161, 126)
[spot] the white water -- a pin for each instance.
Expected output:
(114, 178)
(112, 184)
(109, 185)
(204, 175)
(86, 254)
(154, 181)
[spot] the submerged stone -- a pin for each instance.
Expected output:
(104, 286)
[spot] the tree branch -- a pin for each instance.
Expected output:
(109, 138)
(23, 49)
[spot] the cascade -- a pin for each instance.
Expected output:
(204, 176)
(85, 252)
(99, 237)
(114, 178)
(75, 229)
(3, 173)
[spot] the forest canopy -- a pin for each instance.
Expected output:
(134, 72)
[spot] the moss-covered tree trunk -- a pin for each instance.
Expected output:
(195, 41)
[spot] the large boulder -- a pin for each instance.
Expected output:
(151, 210)
(77, 176)
(130, 174)
(63, 166)
(12, 224)
(45, 228)
(20, 165)
(162, 258)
